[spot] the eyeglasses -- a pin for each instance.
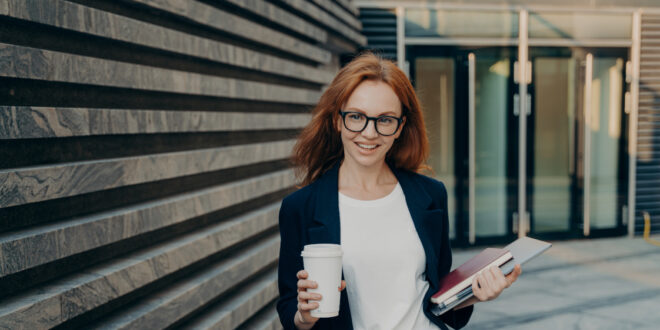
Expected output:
(357, 122)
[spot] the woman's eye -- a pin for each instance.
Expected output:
(385, 120)
(354, 116)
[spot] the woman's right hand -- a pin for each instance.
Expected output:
(303, 318)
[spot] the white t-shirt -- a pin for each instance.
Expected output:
(383, 263)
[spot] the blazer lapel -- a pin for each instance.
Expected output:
(326, 212)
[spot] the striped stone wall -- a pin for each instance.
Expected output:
(143, 155)
(648, 127)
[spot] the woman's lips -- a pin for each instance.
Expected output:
(367, 148)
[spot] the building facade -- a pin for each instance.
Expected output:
(143, 155)
(542, 115)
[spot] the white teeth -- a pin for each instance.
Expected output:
(366, 146)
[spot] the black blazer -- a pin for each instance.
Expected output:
(311, 215)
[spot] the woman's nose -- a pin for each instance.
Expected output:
(370, 130)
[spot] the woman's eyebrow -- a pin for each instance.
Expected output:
(386, 113)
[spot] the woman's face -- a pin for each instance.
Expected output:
(369, 148)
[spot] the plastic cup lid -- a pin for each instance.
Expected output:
(322, 250)
(323, 246)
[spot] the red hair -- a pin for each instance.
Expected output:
(319, 145)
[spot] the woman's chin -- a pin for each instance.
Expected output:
(367, 160)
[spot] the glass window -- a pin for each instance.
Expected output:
(457, 23)
(435, 88)
(580, 26)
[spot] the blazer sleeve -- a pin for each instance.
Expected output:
(289, 264)
(453, 318)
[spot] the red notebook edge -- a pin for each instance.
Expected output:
(461, 277)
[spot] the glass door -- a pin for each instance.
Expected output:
(576, 163)
(466, 98)
(552, 140)
(575, 160)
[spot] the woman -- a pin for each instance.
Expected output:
(359, 159)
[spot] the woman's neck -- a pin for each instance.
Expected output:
(354, 177)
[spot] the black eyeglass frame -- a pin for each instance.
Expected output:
(399, 120)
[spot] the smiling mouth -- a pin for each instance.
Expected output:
(368, 146)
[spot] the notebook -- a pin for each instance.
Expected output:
(462, 277)
(522, 250)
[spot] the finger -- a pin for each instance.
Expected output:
(308, 306)
(499, 278)
(488, 280)
(513, 276)
(302, 274)
(343, 285)
(306, 317)
(305, 296)
(307, 284)
(476, 288)
(489, 283)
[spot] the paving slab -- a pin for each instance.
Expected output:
(608, 283)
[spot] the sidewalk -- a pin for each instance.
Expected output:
(611, 283)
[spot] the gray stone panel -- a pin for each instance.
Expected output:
(96, 286)
(226, 22)
(82, 234)
(267, 319)
(47, 122)
(327, 20)
(31, 63)
(238, 308)
(348, 5)
(287, 49)
(168, 306)
(111, 26)
(282, 17)
(35, 184)
(340, 13)
(33, 315)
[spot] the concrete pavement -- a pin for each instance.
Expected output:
(611, 283)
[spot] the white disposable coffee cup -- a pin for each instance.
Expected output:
(323, 265)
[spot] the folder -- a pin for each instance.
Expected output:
(522, 250)
(462, 277)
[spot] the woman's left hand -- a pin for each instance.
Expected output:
(491, 282)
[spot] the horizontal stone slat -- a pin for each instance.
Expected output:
(217, 19)
(46, 122)
(340, 13)
(96, 286)
(36, 184)
(282, 17)
(103, 24)
(32, 247)
(242, 304)
(327, 20)
(176, 302)
(267, 319)
(32, 63)
(348, 5)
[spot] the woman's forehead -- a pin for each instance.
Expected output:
(374, 98)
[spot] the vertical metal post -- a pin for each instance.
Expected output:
(471, 147)
(588, 78)
(400, 42)
(522, 124)
(632, 125)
